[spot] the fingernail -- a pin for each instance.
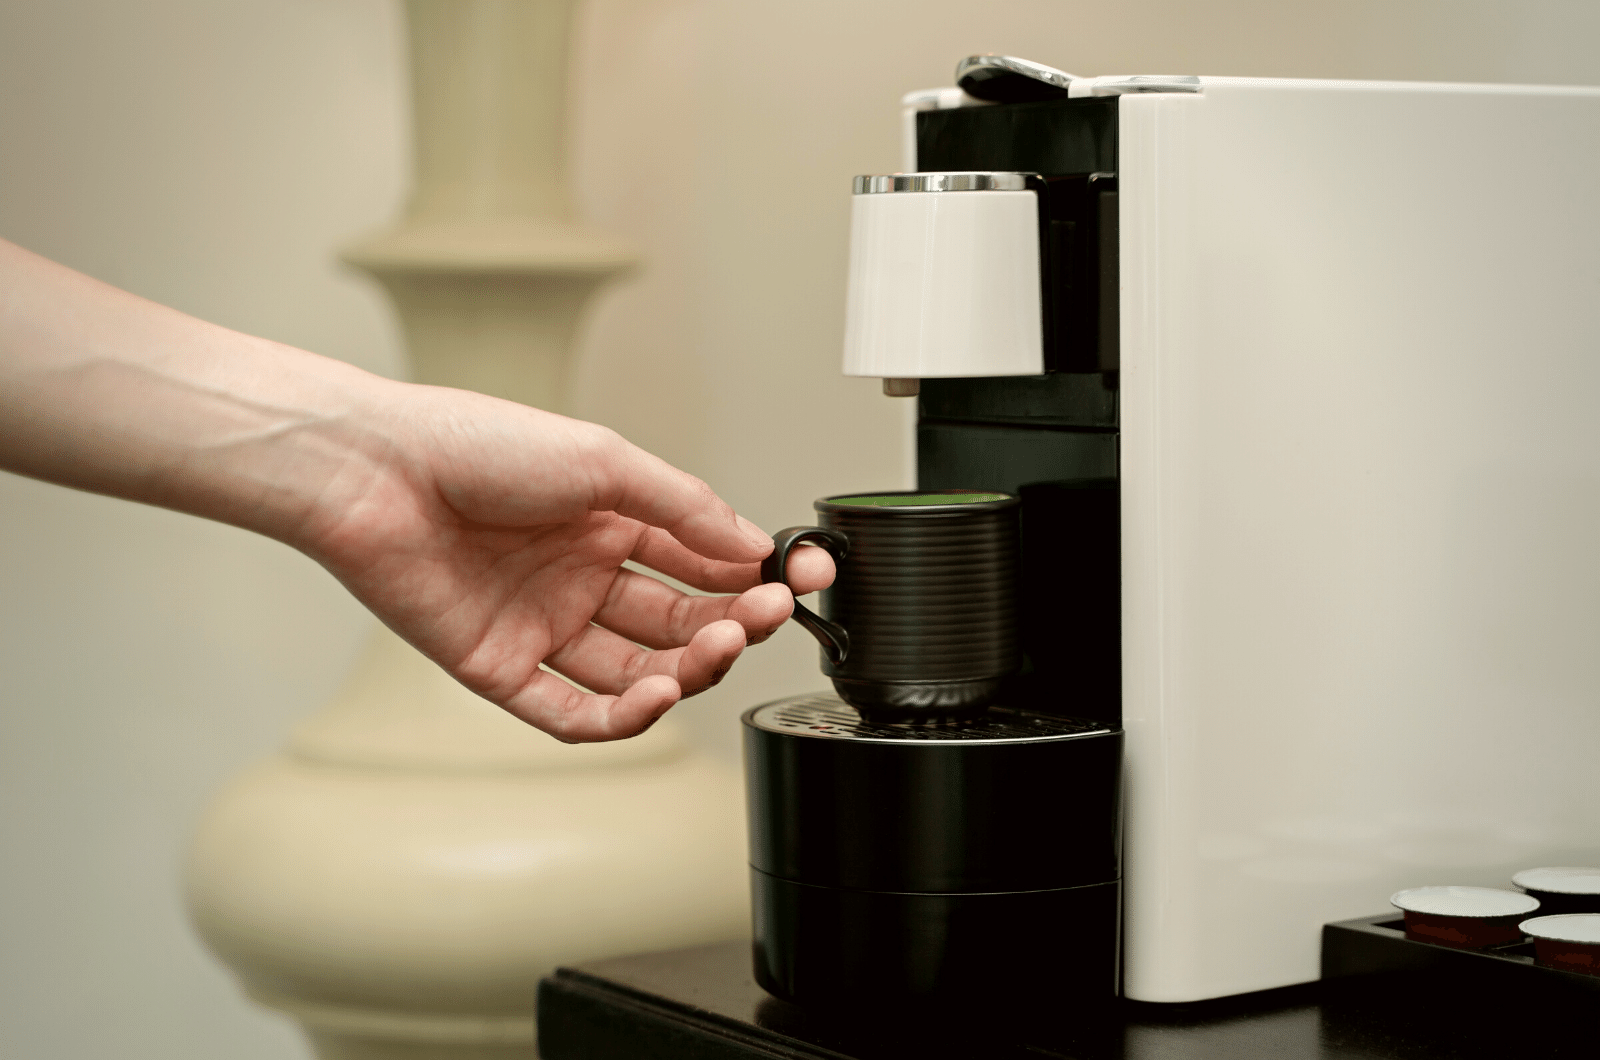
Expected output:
(753, 532)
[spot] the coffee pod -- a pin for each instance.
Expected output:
(1468, 918)
(1570, 941)
(1562, 889)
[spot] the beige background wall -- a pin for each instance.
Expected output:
(212, 155)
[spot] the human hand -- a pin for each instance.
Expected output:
(488, 534)
(492, 537)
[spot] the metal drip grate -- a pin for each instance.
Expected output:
(825, 715)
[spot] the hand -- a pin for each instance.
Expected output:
(492, 536)
(488, 534)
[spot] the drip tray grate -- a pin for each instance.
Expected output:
(827, 716)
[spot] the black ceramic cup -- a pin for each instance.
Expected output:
(921, 618)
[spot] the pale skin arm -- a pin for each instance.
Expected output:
(488, 534)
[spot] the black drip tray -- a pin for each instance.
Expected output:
(1377, 945)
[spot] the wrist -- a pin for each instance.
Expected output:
(268, 438)
(330, 440)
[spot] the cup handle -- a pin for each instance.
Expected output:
(834, 639)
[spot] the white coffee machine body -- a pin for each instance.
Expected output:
(1359, 396)
(1361, 508)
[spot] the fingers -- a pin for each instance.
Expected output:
(634, 687)
(627, 480)
(658, 616)
(810, 568)
(574, 716)
(762, 611)
(608, 663)
(659, 550)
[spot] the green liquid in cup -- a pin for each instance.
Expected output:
(917, 500)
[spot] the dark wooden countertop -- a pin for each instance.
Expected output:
(702, 1003)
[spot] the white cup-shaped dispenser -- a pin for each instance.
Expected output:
(944, 277)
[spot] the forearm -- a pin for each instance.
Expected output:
(105, 391)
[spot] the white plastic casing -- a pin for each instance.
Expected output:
(1360, 396)
(944, 284)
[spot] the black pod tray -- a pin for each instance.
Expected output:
(1374, 945)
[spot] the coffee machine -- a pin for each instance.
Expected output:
(1299, 385)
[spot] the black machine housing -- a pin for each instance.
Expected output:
(892, 868)
(1050, 439)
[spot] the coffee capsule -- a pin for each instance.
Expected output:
(1562, 889)
(1570, 941)
(1468, 918)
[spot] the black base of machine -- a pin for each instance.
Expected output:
(966, 865)
(841, 949)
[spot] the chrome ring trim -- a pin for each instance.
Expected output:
(886, 183)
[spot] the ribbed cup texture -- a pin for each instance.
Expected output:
(926, 597)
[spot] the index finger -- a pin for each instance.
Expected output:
(631, 482)
(809, 569)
